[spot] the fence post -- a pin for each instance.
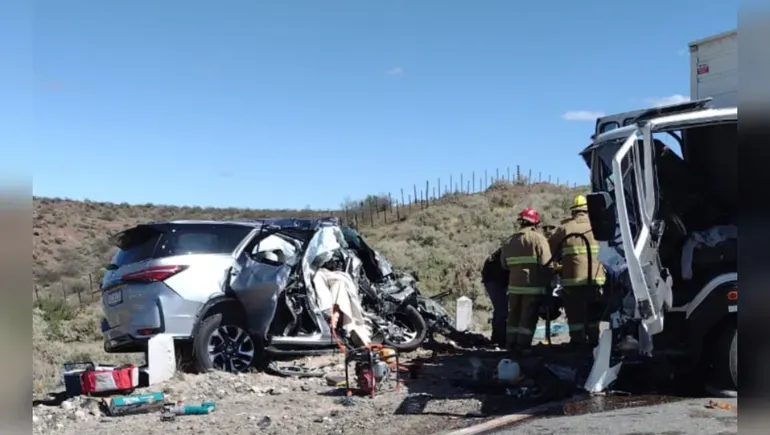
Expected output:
(462, 184)
(473, 177)
(371, 215)
(438, 185)
(398, 213)
(402, 197)
(529, 177)
(415, 192)
(518, 174)
(486, 180)
(410, 203)
(435, 198)
(427, 193)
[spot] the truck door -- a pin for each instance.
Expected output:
(635, 188)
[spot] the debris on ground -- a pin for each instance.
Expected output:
(713, 404)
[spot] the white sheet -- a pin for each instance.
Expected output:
(338, 288)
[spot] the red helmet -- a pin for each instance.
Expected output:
(530, 215)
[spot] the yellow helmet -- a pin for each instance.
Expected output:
(580, 204)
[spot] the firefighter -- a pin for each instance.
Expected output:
(524, 256)
(495, 280)
(582, 275)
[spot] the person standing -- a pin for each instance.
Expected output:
(495, 280)
(582, 275)
(525, 256)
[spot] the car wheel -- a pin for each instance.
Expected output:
(724, 375)
(223, 344)
(411, 330)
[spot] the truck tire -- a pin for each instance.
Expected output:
(223, 343)
(724, 374)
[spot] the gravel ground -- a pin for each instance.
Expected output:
(262, 403)
(268, 404)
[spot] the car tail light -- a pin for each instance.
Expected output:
(152, 274)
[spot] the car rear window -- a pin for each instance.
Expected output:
(135, 245)
(150, 242)
(200, 239)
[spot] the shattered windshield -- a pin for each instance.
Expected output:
(602, 181)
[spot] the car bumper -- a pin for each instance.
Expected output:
(146, 311)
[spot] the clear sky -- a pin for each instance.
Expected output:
(283, 104)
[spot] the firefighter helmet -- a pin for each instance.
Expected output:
(530, 215)
(580, 204)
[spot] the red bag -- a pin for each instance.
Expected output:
(104, 379)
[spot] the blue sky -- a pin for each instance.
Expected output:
(283, 104)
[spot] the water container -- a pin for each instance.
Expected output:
(464, 313)
(508, 371)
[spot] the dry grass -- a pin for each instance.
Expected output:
(445, 243)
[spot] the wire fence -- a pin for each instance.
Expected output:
(385, 208)
(372, 211)
(73, 291)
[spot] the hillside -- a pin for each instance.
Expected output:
(446, 243)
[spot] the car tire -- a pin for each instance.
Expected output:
(217, 328)
(412, 319)
(724, 367)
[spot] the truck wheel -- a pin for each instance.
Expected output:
(223, 343)
(725, 364)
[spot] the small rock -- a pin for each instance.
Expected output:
(264, 423)
(66, 405)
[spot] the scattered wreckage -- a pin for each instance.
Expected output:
(276, 287)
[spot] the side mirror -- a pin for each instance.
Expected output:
(601, 212)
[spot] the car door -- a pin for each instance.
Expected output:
(257, 282)
(635, 196)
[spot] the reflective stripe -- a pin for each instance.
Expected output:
(518, 330)
(510, 261)
(599, 280)
(575, 327)
(514, 290)
(579, 249)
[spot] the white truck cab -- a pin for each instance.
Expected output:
(666, 225)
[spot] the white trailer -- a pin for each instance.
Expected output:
(714, 69)
(713, 74)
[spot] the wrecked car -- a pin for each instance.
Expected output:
(233, 293)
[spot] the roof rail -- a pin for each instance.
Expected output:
(672, 109)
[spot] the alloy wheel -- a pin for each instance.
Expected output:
(231, 349)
